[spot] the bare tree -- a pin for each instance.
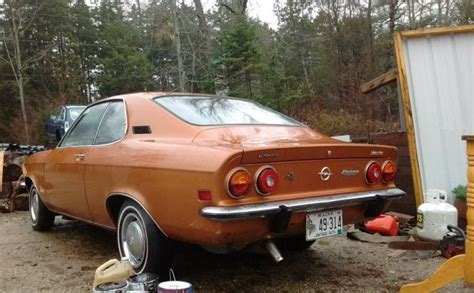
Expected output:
(235, 7)
(18, 20)
(392, 16)
(201, 16)
(177, 35)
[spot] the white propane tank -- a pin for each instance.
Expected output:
(435, 215)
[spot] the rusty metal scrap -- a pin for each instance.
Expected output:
(13, 189)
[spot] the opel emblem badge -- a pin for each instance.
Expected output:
(325, 173)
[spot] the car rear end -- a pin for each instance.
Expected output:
(311, 190)
(280, 178)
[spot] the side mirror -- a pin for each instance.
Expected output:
(53, 117)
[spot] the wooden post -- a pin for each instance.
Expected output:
(469, 262)
(460, 266)
(409, 121)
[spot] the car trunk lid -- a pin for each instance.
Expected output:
(265, 144)
(315, 151)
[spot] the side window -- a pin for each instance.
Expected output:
(113, 125)
(62, 115)
(84, 131)
(58, 113)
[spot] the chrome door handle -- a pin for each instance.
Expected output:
(79, 157)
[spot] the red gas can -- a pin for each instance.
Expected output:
(383, 224)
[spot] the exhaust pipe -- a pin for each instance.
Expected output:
(273, 250)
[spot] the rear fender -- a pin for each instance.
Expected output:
(115, 200)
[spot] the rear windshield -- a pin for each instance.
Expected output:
(203, 110)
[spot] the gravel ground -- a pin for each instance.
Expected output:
(64, 260)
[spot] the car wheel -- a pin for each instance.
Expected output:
(42, 219)
(149, 250)
(295, 243)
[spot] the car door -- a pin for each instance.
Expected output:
(60, 123)
(64, 171)
(52, 124)
(107, 172)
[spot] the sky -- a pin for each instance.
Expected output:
(261, 9)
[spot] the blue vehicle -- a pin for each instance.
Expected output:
(59, 123)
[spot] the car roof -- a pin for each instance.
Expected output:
(74, 106)
(150, 95)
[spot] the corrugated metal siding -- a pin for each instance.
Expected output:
(441, 84)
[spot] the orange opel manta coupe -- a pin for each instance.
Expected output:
(214, 171)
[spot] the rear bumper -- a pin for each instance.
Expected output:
(261, 210)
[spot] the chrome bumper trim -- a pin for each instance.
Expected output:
(251, 211)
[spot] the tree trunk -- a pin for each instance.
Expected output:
(370, 31)
(17, 67)
(179, 56)
(249, 83)
(23, 107)
(203, 28)
(240, 6)
(440, 14)
(201, 16)
(391, 16)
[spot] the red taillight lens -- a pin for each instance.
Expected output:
(267, 181)
(389, 171)
(374, 173)
(204, 195)
(239, 183)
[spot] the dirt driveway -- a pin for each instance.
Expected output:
(65, 259)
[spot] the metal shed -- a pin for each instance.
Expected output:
(436, 77)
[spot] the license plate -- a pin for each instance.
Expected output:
(323, 224)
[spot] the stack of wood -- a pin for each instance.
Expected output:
(13, 190)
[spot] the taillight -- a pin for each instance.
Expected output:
(373, 173)
(389, 171)
(267, 180)
(238, 183)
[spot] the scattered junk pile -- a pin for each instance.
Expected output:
(435, 228)
(13, 189)
(118, 276)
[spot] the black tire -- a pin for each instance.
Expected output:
(42, 219)
(294, 243)
(153, 253)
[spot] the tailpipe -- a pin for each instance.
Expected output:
(273, 250)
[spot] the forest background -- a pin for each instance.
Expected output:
(55, 52)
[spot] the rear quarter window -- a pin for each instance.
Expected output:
(113, 125)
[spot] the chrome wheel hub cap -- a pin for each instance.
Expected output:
(133, 234)
(34, 206)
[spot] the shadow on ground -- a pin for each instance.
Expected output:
(65, 259)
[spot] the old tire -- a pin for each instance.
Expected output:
(42, 219)
(149, 249)
(295, 243)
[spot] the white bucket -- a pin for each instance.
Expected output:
(175, 287)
